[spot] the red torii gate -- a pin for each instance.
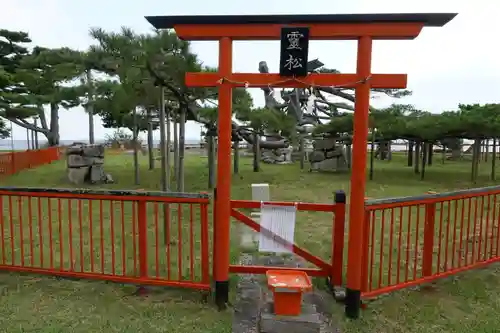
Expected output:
(361, 27)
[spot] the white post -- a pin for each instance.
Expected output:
(250, 238)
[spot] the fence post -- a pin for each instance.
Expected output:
(142, 229)
(338, 239)
(205, 244)
(214, 220)
(428, 250)
(366, 247)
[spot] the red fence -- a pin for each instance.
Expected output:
(151, 238)
(414, 240)
(157, 238)
(13, 162)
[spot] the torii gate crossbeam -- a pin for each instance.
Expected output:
(361, 27)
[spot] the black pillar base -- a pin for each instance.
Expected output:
(221, 294)
(352, 303)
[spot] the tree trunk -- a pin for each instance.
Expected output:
(53, 135)
(302, 152)
(348, 155)
(425, 154)
(411, 144)
(486, 149)
(182, 149)
(493, 159)
(417, 157)
(383, 148)
(37, 144)
(150, 141)
(168, 144)
(28, 139)
(163, 143)
(389, 150)
(176, 148)
(236, 157)
(90, 108)
(443, 154)
(211, 161)
(476, 155)
(256, 153)
(33, 140)
(372, 156)
(456, 153)
(135, 141)
(430, 153)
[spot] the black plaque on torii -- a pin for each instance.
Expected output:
(294, 51)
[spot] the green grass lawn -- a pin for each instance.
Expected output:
(40, 304)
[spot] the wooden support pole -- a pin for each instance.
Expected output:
(223, 203)
(358, 181)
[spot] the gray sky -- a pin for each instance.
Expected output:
(446, 66)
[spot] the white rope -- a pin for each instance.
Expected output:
(294, 79)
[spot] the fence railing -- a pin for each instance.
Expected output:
(414, 240)
(151, 238)
(13, 162)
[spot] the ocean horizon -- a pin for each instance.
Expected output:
(8, 144)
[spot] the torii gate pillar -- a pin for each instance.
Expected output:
(361, 27)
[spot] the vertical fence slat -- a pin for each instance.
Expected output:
(61, 248)
(112, 229)
(11, 234)
(205, 260)
(101, 234)
(415, 252)
(20, 221)
(429, 229)
(70, 232)
(143, 238)
(179, 241)
(461, 249)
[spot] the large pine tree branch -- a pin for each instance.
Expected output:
(27, 125)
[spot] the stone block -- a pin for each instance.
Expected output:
(333, 153)
(74, 150)
(95, 160)
(260, 192)
(331, 164)
(97, 174)
(324, 144)
(93, 151)
(308, 321)
(78, 176)
(316, 156)
(76, 161)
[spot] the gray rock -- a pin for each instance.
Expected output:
(324, 144)
(76, 161)
(97, 174)
(93, 151)
(109, 179)
(95, 160)
(90, 159)
(78, 176)
(333, 153)
(316, 156)
(331, 164)
(307, 322)
(74, 150)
